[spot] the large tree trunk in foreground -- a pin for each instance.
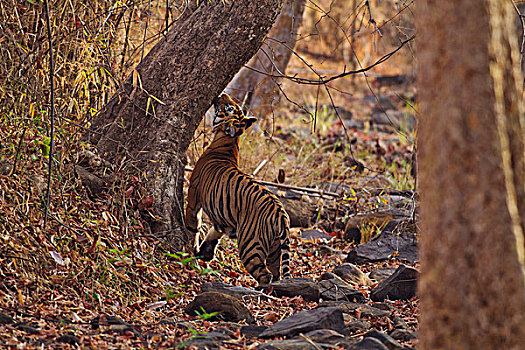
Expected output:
(471, 164)
(259, 91)
(186, 71)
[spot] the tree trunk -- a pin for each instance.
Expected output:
(150, 122)
(471, 163)
(259, 91)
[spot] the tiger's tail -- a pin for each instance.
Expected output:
(285, 251)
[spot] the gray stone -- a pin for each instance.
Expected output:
(354, 324)
(349, 307)
(68, 339)
(292, 287)
(387, 340)
(327, 336)
(327, 250)
(314, 234)
(397, 119)
(382, 274)
(235, 291)
(252, 331)
(369, 344)
(352, 274)
(227, 307)
(403, 334)
(401, 285)
(337, 289)
(306, 321)
(6, 319)
(385, 245)
(328, 276)
(289, 344)
(28, 329)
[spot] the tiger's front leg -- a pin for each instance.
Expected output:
(207, 249)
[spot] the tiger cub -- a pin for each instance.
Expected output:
(236, 204)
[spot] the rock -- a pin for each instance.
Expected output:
(379, 101)
(68, 339)
(252, 331)
(235, 291)
(379, 218)
(352, 235)
(306, 321)
(369, 344)
(350, 307)
(382, 273)
(328, 276)
(177, 323)
(6, 319)
(397, 119)
(352, 274)
(314, 234)
(326, 336)
(28, 329)
(387, 340)
(315, 340)
(43, 343)
(403, 334)
(113, 322)
(354, 324)
(401, 285)
(227, 307)
(327, 250)
(292, 287)
(301, 212)
(337, 289)
(289, 344)
(392, 80)
(399, 322)
(385, 245)
(400, 225)
(210, 340)
(95, 184)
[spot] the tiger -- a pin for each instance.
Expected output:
(236, 204)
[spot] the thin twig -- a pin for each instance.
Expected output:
(145, 31)
(522, 21)
(372, 20)
(18, 152)
(322, 80)
(51, 113)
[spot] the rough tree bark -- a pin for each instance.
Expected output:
(185, 71)
(471, 163)
(258, 91)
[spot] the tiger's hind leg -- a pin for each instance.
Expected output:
(279, 260)
(207, 249)
(254, 261)
(274, 260)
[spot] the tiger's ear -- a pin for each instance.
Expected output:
(249, 121)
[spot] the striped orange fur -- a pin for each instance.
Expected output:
(237, 204)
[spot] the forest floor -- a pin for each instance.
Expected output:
(95, 277)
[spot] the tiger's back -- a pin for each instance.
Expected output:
(237, 204)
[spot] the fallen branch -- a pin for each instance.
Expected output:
(290, 187)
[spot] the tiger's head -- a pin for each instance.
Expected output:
(229, 117)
